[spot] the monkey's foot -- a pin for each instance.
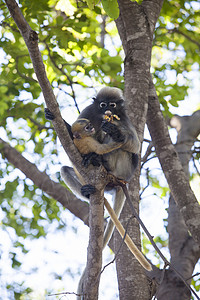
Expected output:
(116, 181)
(124, 182)
(48, 114)
(87, 190)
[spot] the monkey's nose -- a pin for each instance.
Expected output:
(108, 113)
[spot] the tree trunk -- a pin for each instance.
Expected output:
(136, 25)
(171, 166)
(184, 251)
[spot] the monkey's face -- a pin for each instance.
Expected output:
(89, 129)
(110, 106)
(82, 128)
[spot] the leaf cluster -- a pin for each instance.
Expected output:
(176, 51)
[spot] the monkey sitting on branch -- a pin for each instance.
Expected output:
(83, 133)
(121, 162)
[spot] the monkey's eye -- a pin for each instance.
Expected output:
(112, 104)
(88, 127)
(103, 104)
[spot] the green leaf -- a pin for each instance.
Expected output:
(91, 4)
(111, 8)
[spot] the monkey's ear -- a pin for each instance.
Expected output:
(121, 102)
(76, 135)
(94, 98)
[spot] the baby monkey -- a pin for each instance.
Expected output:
(83, 134)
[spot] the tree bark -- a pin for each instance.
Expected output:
(171, 166)
(94, 254)
(184, 251)
(135, 25)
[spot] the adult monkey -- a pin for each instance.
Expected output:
(120, 162)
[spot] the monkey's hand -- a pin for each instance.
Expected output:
(87, 190)
(92, 158)
(113, 131)
(48, 114)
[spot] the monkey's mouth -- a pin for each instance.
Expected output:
(108, 113)
(109, 116)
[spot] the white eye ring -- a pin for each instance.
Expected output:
(103, 104)
(113, 104)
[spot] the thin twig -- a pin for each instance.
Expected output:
(195, 166)
(116, 254)
(197, 274)
(28, 78)
(64, 293)
(147, 185)
(74, 98)
(142, 165)
(4, 24)
(40, 127)
(187, 36)
(65, 74)
(148, 152)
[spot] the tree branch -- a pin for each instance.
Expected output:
(39, 126)
(31, 40)
(28, 78)
(94, 176)
(42, 180)
(61, 69)
(187, 36)
(184, 251)
(171, 165)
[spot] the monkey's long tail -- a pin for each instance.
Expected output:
(132, 247)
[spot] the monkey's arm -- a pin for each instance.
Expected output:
(94, 146)
(132, 247)
(92, 150)
(125, 133)
(131, 143)
(50, 116)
